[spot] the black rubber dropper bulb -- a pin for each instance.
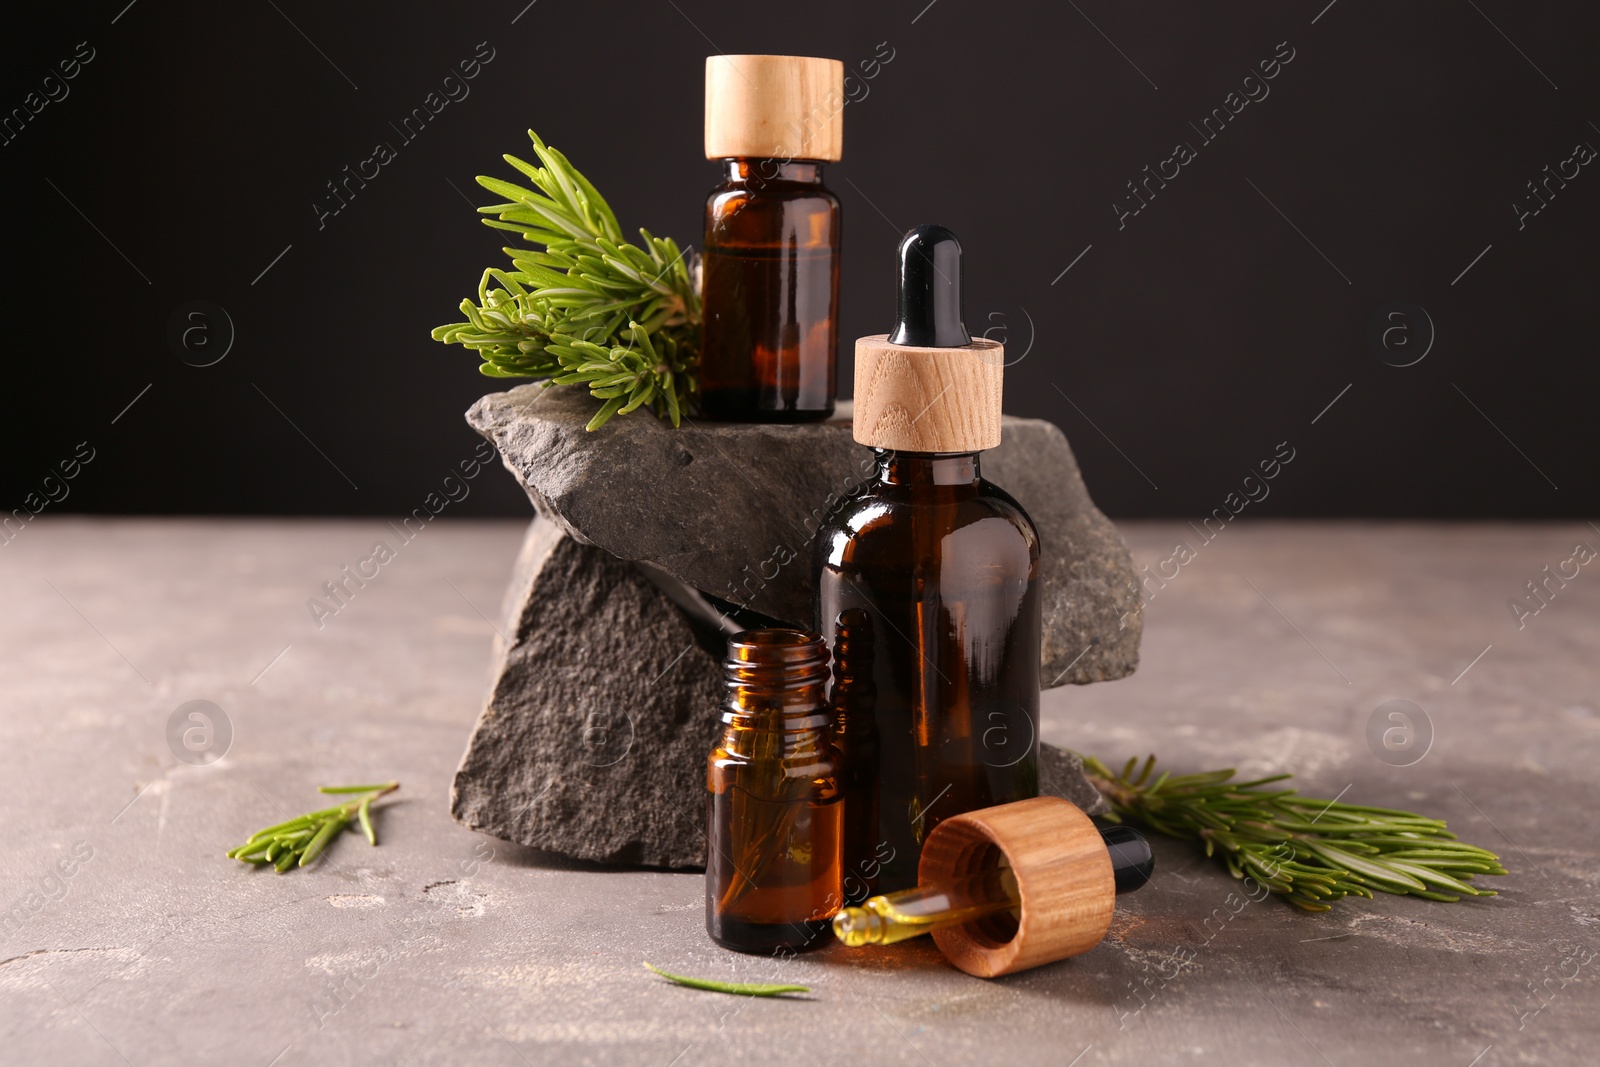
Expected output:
(1132, 862)
(930, 290)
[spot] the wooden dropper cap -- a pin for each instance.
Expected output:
(1065, 882)
(929, 386)
(774, 107)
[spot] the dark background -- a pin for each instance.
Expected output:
(1190, 342)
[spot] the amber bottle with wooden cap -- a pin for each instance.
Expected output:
(945, 565)
(773, 804)
(1011, 887)
(770, 287)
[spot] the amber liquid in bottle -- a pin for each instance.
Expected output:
(774, 812)
(770, 289)
(855, 735)
(946, 566)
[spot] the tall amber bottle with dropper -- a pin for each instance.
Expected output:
(944, 563)
(770, 283)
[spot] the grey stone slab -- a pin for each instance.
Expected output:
(603, 708)
(453, 947)
(731, 508)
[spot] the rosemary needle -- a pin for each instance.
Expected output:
(748, 989)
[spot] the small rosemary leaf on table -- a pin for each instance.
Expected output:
(747, 989)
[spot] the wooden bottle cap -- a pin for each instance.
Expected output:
(774, 107)
(1064, 878)
(916, 399)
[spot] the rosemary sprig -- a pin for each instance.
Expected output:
(591, 309)
(1311, 852)
(748, 989)
(299, 841)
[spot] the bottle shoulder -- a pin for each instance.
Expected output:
(762, 192)
(884, 520)
(876, 505)
(818, 765)
(1004, 502)
(740, 211)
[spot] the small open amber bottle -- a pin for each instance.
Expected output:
(770, 287)
(944, 564)
(774, 798)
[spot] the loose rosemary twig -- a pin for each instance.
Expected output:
(1310, 852)
(301, 840)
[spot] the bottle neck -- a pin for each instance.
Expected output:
(799, 172)
(776, 682)
(927, 468)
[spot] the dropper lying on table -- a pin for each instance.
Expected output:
(892, 917)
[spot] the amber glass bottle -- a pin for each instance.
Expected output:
(943, 562)
(770, 282)
(774, 810)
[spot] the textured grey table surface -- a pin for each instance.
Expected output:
(1268, 651)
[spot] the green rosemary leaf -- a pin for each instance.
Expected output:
(643, 394)
(529, 169)
(355, 788)
(1374, 871)
(1362, 809)
(292, 824)
(1309, 905)
(604, 413)
(1433, 877)
(320, 842)
(365, 814)
(1428, 894)
(749, 989)
(672, 402)
(1236, 789)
